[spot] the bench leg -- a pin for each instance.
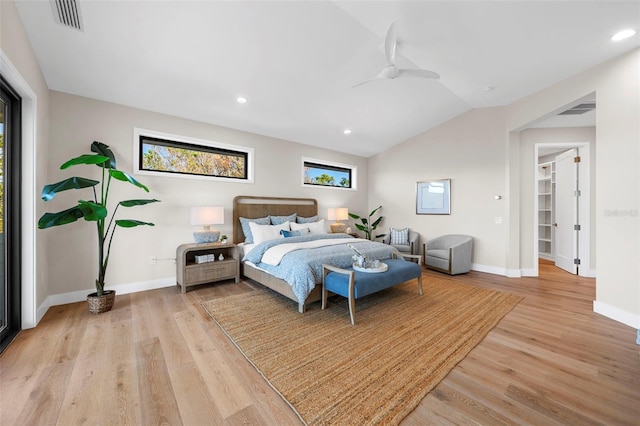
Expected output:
(352, 300)
(352, 310)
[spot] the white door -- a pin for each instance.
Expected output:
(566, 211)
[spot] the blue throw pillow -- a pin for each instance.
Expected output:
(288, 234)
(279, 220)
(311, 219)
(246, 229)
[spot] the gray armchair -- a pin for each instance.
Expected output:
(412, 248)
(449, 253)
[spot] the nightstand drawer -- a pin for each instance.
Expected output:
(211, 271)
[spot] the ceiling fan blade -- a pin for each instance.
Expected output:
(418, 73)
(387, 73)
(391, 44)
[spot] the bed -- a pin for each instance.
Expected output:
(252, 207)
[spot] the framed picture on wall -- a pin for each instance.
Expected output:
(433, 197)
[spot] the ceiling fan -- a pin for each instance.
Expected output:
(391, 71)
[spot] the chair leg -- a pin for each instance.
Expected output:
(420, 285)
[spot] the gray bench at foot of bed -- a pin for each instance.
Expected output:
(355, 284)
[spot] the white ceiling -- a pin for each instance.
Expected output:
(297, 61)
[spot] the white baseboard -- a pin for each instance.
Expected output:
(79, 296)
(529, 272)
(42, 309)
(617, 314)
(493, 270)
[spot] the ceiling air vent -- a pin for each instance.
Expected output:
(580, 109)
(66, 13)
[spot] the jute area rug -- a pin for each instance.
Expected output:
(375, 372)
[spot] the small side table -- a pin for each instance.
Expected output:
(190, 273)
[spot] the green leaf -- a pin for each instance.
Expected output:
(92, 211)
(360, 227)
(354, 216)
(375, 224)
(131, 203)
(374, 211)
(50, 191)
(85, 159)
(120, 175)
(104, 150)
(49, 220)
(130, 223)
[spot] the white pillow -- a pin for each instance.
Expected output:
(267, 232)
(299, 226)
(317, 227)
(312, 227)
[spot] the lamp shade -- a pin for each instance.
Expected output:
(206, 215)
(339, 213)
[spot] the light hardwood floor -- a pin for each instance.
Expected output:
(157, 358)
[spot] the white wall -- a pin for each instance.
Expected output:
(76, 122)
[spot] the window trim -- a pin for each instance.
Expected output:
(328, 164)
(152, 134)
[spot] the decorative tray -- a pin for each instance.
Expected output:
(382, 267)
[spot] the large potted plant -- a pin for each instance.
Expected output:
(368, 225)
(95, 210)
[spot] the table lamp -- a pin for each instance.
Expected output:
(206, 216)
(338, 214)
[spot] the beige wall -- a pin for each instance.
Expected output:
(16, 48)
(77, 121)
(469, 150)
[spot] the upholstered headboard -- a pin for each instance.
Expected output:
(253, 207)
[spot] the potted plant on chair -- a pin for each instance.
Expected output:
(95, 210)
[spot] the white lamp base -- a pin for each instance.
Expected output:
(206, 236)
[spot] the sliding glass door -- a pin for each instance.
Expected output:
(10, 281)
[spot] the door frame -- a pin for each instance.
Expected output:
(584, 202)
(30, 314)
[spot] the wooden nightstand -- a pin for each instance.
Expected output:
(189, 272)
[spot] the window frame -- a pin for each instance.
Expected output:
(330, 165)
(193, 142)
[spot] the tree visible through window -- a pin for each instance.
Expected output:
(162, 155)
(327, 175)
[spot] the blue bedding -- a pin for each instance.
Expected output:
(302, 269)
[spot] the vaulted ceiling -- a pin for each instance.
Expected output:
(297, 62)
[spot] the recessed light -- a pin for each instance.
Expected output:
(242, 100)
(347, 131)
(624, 34)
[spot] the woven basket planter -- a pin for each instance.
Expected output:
(100, 304)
